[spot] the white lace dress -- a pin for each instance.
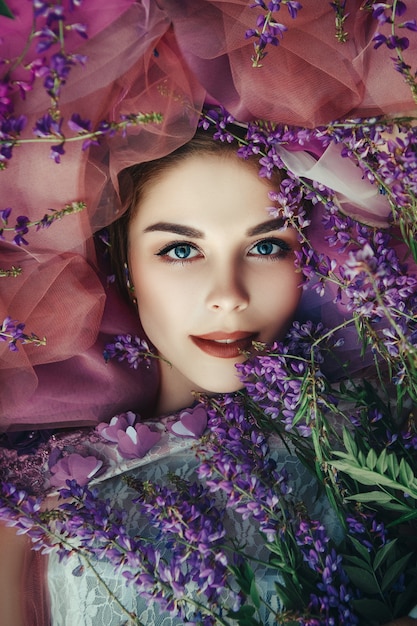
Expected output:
(79, 599)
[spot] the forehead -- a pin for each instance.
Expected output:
(208, 188)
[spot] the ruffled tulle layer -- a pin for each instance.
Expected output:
(167, 57)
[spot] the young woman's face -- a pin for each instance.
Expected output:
(212, 271)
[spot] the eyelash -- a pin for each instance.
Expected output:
(177, 244)
(284, 249)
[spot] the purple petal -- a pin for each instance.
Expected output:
(76, 467)
(136, 441)
(192, 423)
(118, 423)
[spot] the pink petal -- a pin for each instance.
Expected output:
(76, 467)
(192, 423)
(120, 422)
(130, 417)
(132, 434)
(147, 437)
(137, 441)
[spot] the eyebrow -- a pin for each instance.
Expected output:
(267, 227)
(188, 231)
(178, 229)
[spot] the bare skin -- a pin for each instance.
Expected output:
(12, 551)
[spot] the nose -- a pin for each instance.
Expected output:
(227, 292)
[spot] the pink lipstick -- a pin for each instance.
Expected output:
(224, 345)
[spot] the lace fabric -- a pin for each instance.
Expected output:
(78, 597)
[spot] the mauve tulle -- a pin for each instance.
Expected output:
(169, 56)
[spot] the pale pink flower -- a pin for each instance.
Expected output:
(75, 467)
(136, 441)
(191, 423)
(109, 431)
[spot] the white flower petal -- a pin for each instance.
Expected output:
(179, 429)
(132, 434)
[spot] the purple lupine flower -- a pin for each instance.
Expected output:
(268, 30)
(21, 229)
(56, 152)
(231, 465)
(10, 129)
(48, 126)
(220, 119)
(132, 349)
(80, 29)
(275, 381)
(78, 125)
(192, 525)
(4, 215)
(12, 331)
(6, 106)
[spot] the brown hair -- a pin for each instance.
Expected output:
(134, 182)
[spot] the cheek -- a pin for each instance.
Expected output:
(279, 298)
(150, 301)
(162, 313)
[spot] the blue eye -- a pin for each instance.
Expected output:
(179, 252)
(265, 248)
(270, 247)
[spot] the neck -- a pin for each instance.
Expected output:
(175, 391)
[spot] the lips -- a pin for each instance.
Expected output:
(224, 345)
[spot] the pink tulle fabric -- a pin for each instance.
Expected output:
(170, 57)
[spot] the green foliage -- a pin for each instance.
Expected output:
(245, 578)
(395, 477)
(383, 577)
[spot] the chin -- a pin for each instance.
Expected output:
(224, 386)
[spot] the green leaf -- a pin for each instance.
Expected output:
(281, 566)
(244, 616)
(392, 464)
(363, 580)
(392, 574)
(5, 11)
(366, 476)
(290, 594)
(355, 560)
(383, 553)
(284, 595)
(244, 611)
(382, 464)
(245, 577)
(371, 459)
(406, 473)
(372, 610)
(349, 442)
(400, 506)
(254, 594)
(360, 549)
(405, 600)
(371, 496)
(301, 410)
(404, 518)
(275, 547)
